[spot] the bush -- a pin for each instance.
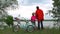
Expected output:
(9, 20)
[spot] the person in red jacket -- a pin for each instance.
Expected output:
(40, 17)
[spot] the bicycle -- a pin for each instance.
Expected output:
(27, 27)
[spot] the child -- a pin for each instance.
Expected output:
(33, 19)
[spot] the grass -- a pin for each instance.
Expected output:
(21, 31)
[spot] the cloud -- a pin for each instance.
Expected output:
(32, 2)
(26, 7)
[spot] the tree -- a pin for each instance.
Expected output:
(4, 4)
(56, 9)
(7, 3)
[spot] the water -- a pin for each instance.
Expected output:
(45, 23)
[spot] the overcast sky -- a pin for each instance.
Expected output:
(26, 7)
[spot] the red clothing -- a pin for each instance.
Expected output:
(33, 18)
(39, 14)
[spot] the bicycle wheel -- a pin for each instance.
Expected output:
(15, 28)
(30, 28)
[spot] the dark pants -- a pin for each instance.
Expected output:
(34, 23)
(40, 22)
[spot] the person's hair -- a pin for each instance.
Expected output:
(37, 7)
(32, 13)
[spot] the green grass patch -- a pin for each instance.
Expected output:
(21, 31)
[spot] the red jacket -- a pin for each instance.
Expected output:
(39, 14)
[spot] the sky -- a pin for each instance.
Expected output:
(26, 7)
